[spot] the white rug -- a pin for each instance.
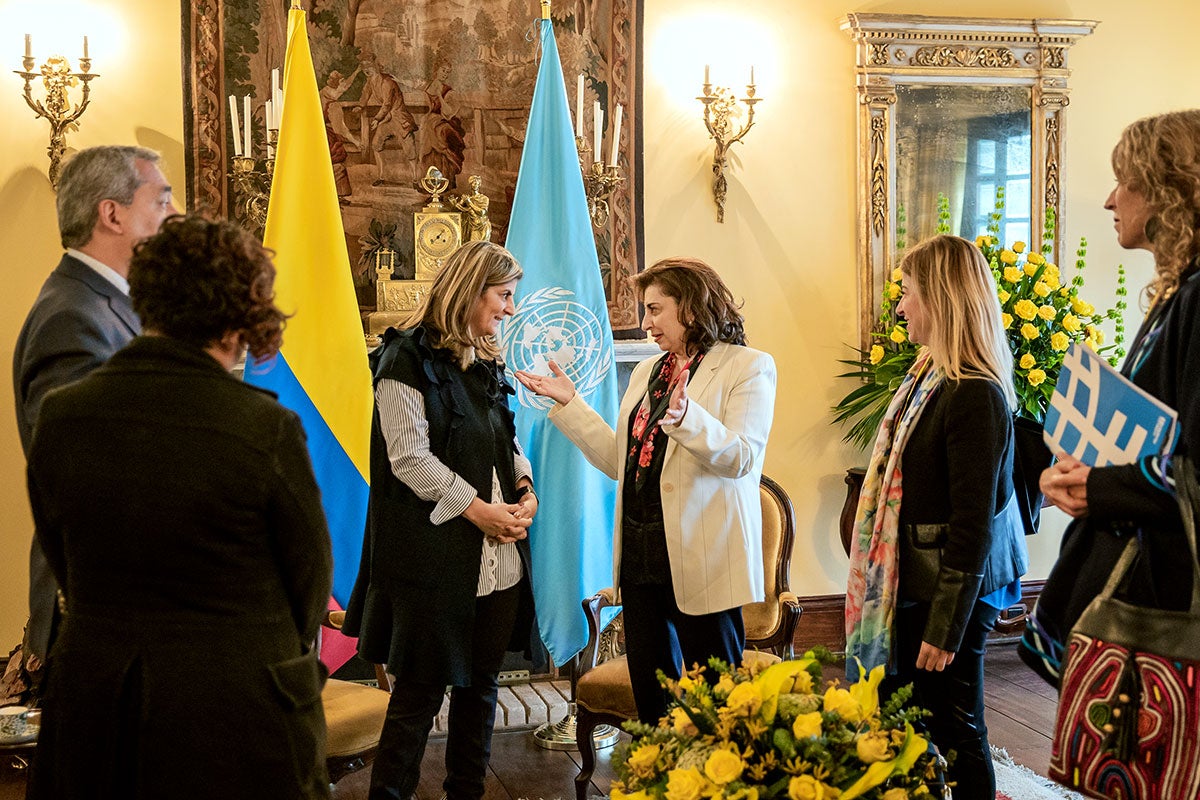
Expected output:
(1014, 782)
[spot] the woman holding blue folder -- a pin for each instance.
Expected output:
(1156, 207)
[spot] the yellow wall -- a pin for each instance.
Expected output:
(787, 245)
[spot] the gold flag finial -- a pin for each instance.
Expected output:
(545, 9)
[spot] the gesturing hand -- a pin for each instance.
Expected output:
(557, 386)
(934, 659)
(679, 402)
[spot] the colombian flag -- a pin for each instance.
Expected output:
(321, 372)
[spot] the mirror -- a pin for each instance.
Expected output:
(958, 107)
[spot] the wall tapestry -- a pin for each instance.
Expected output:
(408, 85)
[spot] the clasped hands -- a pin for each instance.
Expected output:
(503, 522)
(1064, 483)
(559, 388)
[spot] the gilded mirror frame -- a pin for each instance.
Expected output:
(898, 49)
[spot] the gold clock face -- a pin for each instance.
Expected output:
(437, 237)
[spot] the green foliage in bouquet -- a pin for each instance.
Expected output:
(774, 734)
(1043, 316)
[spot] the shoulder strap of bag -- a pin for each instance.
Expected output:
(1187, 493)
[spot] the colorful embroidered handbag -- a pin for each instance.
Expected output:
(1128, 723)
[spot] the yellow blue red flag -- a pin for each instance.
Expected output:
(321, 372)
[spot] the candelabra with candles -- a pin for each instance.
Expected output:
(721, 116)
(251, 185)
(57, 79)
(599, 179)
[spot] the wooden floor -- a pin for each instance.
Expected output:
(1020, 718)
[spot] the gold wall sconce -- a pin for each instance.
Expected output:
(599, 179)
(723, 118)
(56, 107)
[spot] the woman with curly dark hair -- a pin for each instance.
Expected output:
(687, 455)
(1155, 207)
(178, 510)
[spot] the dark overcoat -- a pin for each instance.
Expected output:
(178, 510)
(413, 604)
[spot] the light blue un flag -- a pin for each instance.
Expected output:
(562, 316)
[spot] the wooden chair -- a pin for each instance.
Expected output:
(354, 714)
(603, 692)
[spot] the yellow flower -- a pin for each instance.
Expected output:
(897, 275)
(803, 683)
(617, 794)
(1047, 312)
(1018, 247)
(1035, 258)
(1008, 257)
(725, 683)
(893, 291)
(980, 241)
(1070, 323)
(898, 336)
(1095, 333)
(723, 767)
(895, 793)
(1082, 307)
(1036, 377)
(1003, 295)
(806, 787)
(1042, 289)
(842, 703)
(873, 746)
(745, 793)
(866, 690)
(744, 700)
(682, 723)
(1006, 319)
(1028, 331)
(1051, 281)
(1051, 272)
(807, 725)
(642, 760)
(685, 784)
(1030, 270)
(1060, 341)
(686, 684)
(1012, 274)
(1090, 342)
(1064, 291)
(1025, 309)
(1027, 360)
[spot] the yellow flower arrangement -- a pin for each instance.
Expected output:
(770, 734)
(1041, 317)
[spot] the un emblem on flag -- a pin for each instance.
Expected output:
(548, 326)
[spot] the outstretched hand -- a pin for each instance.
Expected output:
(1064, 484)
(557, 386)
(679, 402)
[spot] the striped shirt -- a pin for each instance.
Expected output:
(406, 433)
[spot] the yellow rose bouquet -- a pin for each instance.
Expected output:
(757, 735)
(1043, 315)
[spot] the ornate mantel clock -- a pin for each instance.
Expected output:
(436, 232)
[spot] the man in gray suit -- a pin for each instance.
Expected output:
(109, 199)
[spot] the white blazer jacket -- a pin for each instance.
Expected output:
(710, 476)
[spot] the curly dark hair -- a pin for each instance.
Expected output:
(706, 306)
(197, 280)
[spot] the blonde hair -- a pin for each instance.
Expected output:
(445, 311)
(965, 333)
(1159, 158)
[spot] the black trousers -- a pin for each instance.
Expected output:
(660, 636)
(413, 706)
(955, 696)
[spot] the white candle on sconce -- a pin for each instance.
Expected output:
(579, 107)
(246, 118)
(269, 117)
(274, 81)
(29, 45)
(751, 74)
(706, 80)
(235, 126)
(598, 133)
(85, 48)
(616, 134)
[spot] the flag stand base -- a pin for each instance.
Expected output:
(561, 735)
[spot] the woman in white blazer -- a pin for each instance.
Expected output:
(687, 455)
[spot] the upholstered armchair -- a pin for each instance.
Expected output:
(354, 714)
(603, 692)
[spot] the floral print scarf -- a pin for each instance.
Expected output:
(874, 547)
(646, 436)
